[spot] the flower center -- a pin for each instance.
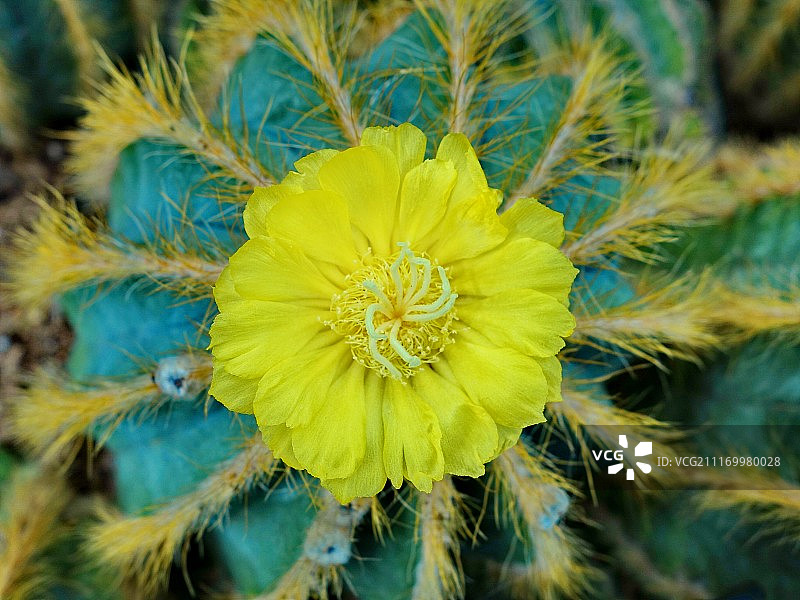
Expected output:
(396, 314)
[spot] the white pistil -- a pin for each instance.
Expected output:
(395, 270)
(412, 361)
(444, 297)
(404, 308)
(373, 348)
(426, 282)
(369, 321)
(430, 316)
(373, 287)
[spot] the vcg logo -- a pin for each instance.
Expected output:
(641, 449)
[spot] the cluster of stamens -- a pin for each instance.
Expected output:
(396, 315)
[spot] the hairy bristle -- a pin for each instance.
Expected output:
(440, 525)
(224, 36)
(157, 103)
(34, 501)
(760, 173)
(64, 250)
(327, 547)
(757, 496)
(763, 46)
(579, 142)
(589, 414)
(675, 320)
(142, 548)
(537, 500)
(471, 33)
(317, 34)
(51, 415)
(750, 312)
(670, 187)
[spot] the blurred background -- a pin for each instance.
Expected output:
(726, 73)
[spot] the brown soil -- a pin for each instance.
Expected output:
(25, 345)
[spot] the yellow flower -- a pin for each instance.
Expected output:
(383, 321)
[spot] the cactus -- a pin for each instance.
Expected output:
(668, 41)
(48, 55)
(177, 151)
(752, 386)
(758, 44)
(25, 535)
(40, 524)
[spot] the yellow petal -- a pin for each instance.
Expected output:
(317, 222)
(332, 444)
(405, 141)
(368, 179)
(467, 231)
(470, 225)
(423, 199)
(521, 263)
(506, 438)
(529, 321)
(224, 291)
(469, 435)
(529, 218)
(551, 367)
(306, 178)
(234, 393)
(278, 439)
(471, 180)
(250, 337)
(275, 269)
(412, 438)
(260, 203)
(295, 388)
(369, 478)
(507, 384)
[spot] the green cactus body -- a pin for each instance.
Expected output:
(43, 48)
(669, 41)
(49, 59)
